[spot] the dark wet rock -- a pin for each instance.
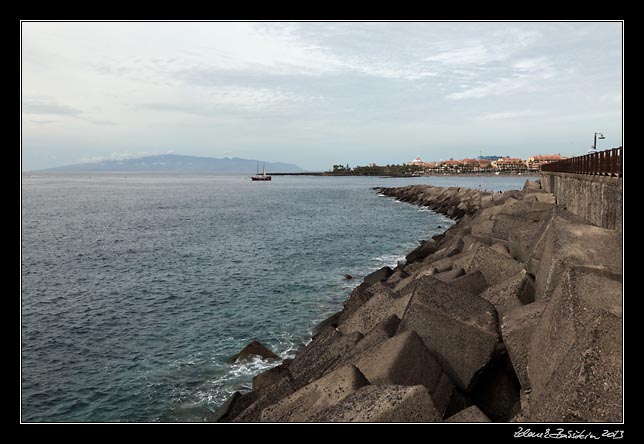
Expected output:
(271, 376)
(264, 397)
(255, 348)
(332, 321)
(221, 414)
(348, 277)
(378, 275)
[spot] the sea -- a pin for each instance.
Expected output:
(136, 288)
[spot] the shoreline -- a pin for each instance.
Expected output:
(462, 331)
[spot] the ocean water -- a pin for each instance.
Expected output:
(136, 288)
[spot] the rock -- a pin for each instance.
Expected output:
(575, 355)
(546, 197)
(332, 321)
(516, 291)
(271, 376)
(395, 278)
(403, 360)
(531, 185)
(361, 294)
(378, 275)
(567, 243)
(422, 251)
(255, 348)
(448, 276)
(383, 403)
(470, 414)
(348, 276)
(500, 248)
(495, 267)
(460, 329)
(376, 336)
(379, 307)
(316, 397)
(505, 224)
(473, 283)
(517, 326)
(321, 354)
(221, 414)
(262, 398)
(496, 390)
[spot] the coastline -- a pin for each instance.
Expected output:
(462, 332)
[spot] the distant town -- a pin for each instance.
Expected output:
(479, 165)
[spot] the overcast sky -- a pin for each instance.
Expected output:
(316, 94)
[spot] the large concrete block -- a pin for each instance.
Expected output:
(470, 414)
(473, 283)
(567, 243)
(505, 224)
(517, 326)
(450, 275)
(321, 354)
(495, 267)
(271, 376)
(316, 397)
(515, 291)
(383, 403)
(403, 360)
(379, 307)
(460, 329)
(255, 401)
(422, 251)
(575, 355)
(376, 336)
(378, 275)
(359, 295)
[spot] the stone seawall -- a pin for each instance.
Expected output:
(513, 314)
(597, 199)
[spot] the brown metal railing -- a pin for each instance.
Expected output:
(603, 163)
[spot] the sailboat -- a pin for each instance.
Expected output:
(262, 176)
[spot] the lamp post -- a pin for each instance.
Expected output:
(601, 136)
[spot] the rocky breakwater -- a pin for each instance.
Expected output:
(513, 314)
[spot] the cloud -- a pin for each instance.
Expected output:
(477, 54)
(48, 106)
(501, 87)
(508, 115)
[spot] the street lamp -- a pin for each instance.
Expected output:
(601, 136)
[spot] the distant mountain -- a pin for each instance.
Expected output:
(174, 162)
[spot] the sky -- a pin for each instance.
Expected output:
(318, 93)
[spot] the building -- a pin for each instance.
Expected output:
(491, 158)
(416, 162)
(509, 164)
(534, 162)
